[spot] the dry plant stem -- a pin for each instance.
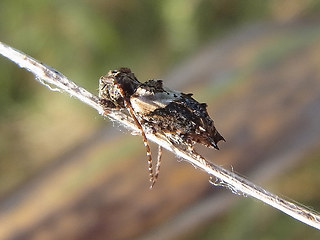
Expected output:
(50, 77)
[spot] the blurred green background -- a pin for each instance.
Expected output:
(67, 173)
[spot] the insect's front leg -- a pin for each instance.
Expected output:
(108, 105)
(157, 170)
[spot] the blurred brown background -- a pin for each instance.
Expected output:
(67, 173)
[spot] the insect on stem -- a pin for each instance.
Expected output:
(176, 115)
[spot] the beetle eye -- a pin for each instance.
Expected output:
(103, 87)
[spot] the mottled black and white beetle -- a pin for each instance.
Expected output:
(178, 116)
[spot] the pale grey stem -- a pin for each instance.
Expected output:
(51, 77)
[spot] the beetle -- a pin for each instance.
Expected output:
(178, 116)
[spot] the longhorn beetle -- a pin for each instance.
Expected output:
(176, 115)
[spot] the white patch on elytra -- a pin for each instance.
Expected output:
(144, 101)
